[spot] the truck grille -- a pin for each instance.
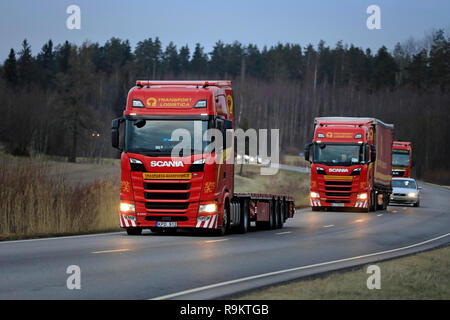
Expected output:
(337, 194)
(166, 196)
(338, 189)
(166, 186)
(167, 205)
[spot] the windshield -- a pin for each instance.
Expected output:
(400, 159)
(410, 184)
(338, 154)
(154, 137)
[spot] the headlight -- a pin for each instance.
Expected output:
(362, 196)
(127, 207)
(412, 195)
(314, 195)
(199, 161)
(135, 161)
(207, 208)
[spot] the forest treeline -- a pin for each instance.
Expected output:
(60, 101)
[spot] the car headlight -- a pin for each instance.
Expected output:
(314, 195)
(127, 207)
(412, 195)
(207, 208)
(362, 196)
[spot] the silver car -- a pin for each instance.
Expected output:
(405, 190)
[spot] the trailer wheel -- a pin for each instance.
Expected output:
(134, 231)
(276, 214)
(281, 215)
(244, 224)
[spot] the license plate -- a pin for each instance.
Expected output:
(171, 224)
(167, 176)
(337, 204)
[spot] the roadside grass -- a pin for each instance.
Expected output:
(422, 276)
(37, 200)
(294, 160)
(292, 183)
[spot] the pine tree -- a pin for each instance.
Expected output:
(10, 68)
(25, 64)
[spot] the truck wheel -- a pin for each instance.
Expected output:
(280, 215)
(315, 208)
(244, 224)
(134, 231)
(225, 222)
(372, 203)
(276, 214)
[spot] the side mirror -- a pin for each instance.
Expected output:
(373, 153)
(420, 188)
(307, 148)
(115, 133)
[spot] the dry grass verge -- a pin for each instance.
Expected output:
(36, 202)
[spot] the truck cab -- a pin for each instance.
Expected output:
(402, 161)
(190, 189)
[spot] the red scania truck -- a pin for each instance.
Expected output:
(351, 163)
(402, 159)
(163, 192)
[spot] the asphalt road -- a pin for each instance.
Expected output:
(117, 266)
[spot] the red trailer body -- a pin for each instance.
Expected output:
(163, 192)
(401, 159)
(351, 164)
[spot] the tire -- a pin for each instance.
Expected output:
(417, 204)
(244, 225)
(372, 204)
(225, 222)
(276, 214)
(134, 231)
(281, 215)
(315, 208)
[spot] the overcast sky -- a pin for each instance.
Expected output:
(248, 21)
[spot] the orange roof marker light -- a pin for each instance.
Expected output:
(216, 83)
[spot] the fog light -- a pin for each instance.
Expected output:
(127, 207)
(362, 196)
(207, 208)
(314, 195)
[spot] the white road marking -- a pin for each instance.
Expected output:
(111, 251)
(329, 226)
(379, 215)
(286, 232)
(359, 220)
(60, 238)
(220, 240)
(221, 284)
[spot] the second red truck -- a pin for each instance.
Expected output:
(351, 163)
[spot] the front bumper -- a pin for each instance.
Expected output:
(403, 199)
(128, 220)
(315, 202)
